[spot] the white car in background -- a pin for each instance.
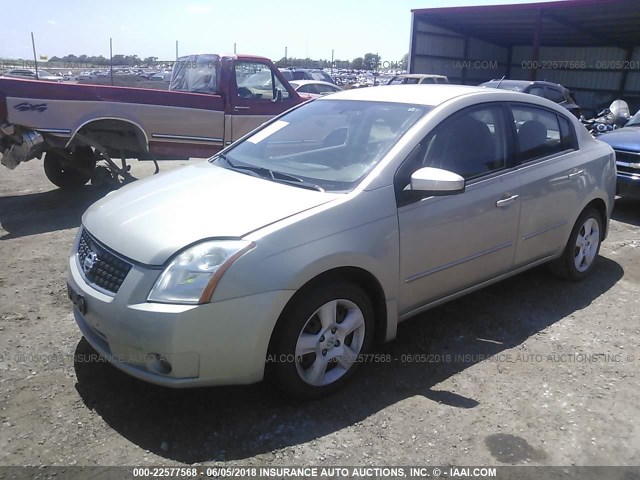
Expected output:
(30, 73)
(289, 254)
(314, 88)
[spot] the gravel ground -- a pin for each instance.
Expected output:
(533, 370)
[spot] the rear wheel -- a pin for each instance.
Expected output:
(70, 169)
(580, 254)
(319, 339)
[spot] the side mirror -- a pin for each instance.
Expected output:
(435, 181)
(278, 96)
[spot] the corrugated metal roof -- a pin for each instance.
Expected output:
(567, 23)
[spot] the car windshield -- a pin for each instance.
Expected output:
(327, 145)
(634, 121)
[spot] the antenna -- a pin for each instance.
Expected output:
(498, 86)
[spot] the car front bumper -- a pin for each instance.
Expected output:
(219, 343)
(628, 184)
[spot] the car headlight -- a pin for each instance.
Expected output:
(193, 275)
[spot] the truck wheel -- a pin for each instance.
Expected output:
(72, 170)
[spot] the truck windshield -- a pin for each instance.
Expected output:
(329, 144)
(195, 73)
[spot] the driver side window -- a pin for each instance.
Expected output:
(257, 81)
(471, 143)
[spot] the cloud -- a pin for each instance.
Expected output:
(52, 22)
(199, 8)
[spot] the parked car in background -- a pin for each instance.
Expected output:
(88, 75)
(314, 87)
(552, 91)
(161, 77)
(306, 74)
(626, 143)
(341, 218)
(31, 74)
(417, 78)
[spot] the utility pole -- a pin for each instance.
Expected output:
(234, 48)
(176, 50)
(332, 62)
(375, 70)
(111, 58)
(35, 58)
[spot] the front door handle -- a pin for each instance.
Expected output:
(505, 202)
(237, 108)
(575, 175)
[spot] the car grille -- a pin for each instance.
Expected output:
(628, 162)
(100, 267)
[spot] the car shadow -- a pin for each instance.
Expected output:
(627, 210)
(33, 213)
(234, 423)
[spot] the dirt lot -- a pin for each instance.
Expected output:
(533, 370)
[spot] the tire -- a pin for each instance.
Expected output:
(581, 253)
(318, 338)
(69, 172)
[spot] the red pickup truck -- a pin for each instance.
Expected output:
(212, 101)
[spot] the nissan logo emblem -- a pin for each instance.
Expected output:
(89, 261)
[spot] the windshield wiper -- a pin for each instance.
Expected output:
(295, 181)
(280, 177)
(255, 171)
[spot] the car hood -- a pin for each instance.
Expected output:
(627, 138)
(150, 220)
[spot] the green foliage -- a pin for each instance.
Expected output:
(371, 61)
(358, 63)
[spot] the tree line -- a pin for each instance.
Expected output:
(129, 60)
(370, 61)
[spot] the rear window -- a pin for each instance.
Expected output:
(197, 73)
(555, 95)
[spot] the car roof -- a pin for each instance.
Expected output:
(307, 82)
(413, 94)
(510, 84)
(420, 75)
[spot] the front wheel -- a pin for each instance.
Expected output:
(580, 254)
(70, 169)
(319, 339)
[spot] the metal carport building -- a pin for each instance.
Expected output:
(591, 47)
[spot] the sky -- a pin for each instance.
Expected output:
(260, 27)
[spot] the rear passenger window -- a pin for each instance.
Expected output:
(539, 133)
(567, 134)
(309, 88)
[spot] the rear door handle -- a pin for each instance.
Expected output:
(238, 108)
(505, 202)
(574, 175)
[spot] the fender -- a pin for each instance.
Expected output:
(119, 119)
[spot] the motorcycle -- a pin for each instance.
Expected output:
(609, 119)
